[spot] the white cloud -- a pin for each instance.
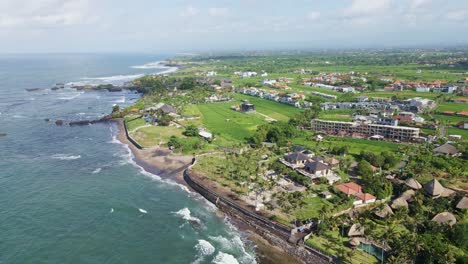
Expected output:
(313, 15)
(457, 15)
(367, 7)
(189, 11)
(419, 3)
(218, 11)
(38, 13)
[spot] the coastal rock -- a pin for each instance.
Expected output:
(59, 122)
(47, 119)
(3, 134)
(33, 89)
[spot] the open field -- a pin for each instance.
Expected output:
(134, 121)
(154, 135)
(278, 111)
(218, 118)
(455, 107)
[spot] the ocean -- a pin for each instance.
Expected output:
(74, 194)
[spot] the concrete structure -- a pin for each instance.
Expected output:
(364, 130)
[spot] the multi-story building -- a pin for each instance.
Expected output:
(360, 129)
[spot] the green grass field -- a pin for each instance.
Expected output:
(154, 135)
(275, 110)
(455, 107)
(218, 118)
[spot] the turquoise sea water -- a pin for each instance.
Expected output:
(73, 194)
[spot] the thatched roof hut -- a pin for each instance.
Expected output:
(383, 212)
(399, 202)
(445, 218)
(413, 184)
(436, 190)
(463, 203)
(408, 195)
(356, 230)
(446, 149)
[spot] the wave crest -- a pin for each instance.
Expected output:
(66, 157)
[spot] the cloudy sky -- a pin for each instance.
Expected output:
(204, 25)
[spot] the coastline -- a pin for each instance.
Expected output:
(168, 165)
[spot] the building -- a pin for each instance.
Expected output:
(247, 107)
(423, 89)
(353, 189)
(364, 130)
(297, 158)
(318, 168)
(461, 100)
(446, 149)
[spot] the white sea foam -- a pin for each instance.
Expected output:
(204, 248)
(142, 211)
(186, 215)
(111, 210)
(114, 78)
(71, 96)
(224, 258)
(151, 65)
(96, 171)
(65, 157)
(121, 100)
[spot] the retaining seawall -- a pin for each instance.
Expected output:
(276, 233)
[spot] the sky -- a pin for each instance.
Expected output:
(221, 25)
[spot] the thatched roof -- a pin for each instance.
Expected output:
(407, 195)
(434, 188)
(399, 202)
(356, 230)
(445, 218)
(413, 184)
(384, 212)
(463, 203)
(447, 192)
(446, 149)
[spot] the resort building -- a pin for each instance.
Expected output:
(364, 130)
(353, 189)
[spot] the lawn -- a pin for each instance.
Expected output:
(455, 107)
(154, 135)
(133, 122)
(458, 131)
(333, 243)
(275, 110)
(311, 209)
(218, 118)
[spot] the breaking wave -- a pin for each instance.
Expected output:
(204, 248)
(186, 215)
(150, 65)
(223, 258)
(65, 157)
(97, 170)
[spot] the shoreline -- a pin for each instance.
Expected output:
(168, 165)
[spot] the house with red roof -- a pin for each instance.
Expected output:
(353, 189)
(463, 113)
(463, 100)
